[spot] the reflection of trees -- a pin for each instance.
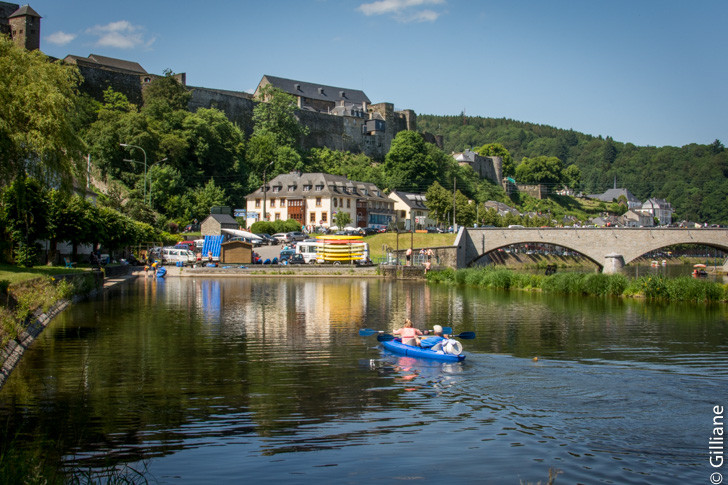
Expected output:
(139, 372)
(527, 324)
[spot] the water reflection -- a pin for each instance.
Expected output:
(209, 380)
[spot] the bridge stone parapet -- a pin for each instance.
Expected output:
(609, 248)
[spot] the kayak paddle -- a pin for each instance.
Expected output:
(365, 332)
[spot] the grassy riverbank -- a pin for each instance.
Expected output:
(25, 292)
(594, 284)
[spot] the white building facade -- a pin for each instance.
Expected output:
(313, 199)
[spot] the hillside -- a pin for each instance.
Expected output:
(693, 178)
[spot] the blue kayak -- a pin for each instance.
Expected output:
(396, 346)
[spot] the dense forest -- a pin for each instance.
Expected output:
(693, 178)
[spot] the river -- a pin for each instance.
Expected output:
(265, 380)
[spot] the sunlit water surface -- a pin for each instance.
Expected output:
(263, 380)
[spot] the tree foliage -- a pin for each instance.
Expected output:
(37, 104)
(410, 165)
(275, 115)
(540, 170)
(693, 178)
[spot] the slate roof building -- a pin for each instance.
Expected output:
(410, 209)
(660, 209)
(312, 199)
(215, 223)
(320, 97)
(612, 195)
(21, 23)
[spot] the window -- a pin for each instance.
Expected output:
(306, 188)
(276, 189)
(348, 203)
(278, 216)
(272, 202)
(319, 188)
(312, 218)
(318, 201)
(291, 188)
(336, 202)
(323, 217)
(257, 203)
(283, 202)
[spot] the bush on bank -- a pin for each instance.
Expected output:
(21, 302)
(594, 284)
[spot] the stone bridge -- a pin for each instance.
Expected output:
(609, 248)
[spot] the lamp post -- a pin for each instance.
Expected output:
(265, 190)
(145, 165)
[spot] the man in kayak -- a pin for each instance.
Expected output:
(409, 334)
(435, 341)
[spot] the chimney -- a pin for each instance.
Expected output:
(321, 90)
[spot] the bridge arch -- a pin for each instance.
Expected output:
(601, 245)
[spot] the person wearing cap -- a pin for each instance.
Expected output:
(435, 341)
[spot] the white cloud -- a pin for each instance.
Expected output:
(402, 10)
(121, 34)
(60, 38)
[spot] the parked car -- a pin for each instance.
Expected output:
(292, 259)
(285, 254)
(189, 245)
(297, 236)
(175, 255)
(283, 237)
(269, 240)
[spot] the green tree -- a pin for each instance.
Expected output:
(498, 150)
(210, 195)
(572, 177)
(165, 94)
(540, 170)
(70, 218)
(439, 202)
(24, 217)
(341, 219)
(409, 165)
(275, 114)
(37, 101)
(464, 210)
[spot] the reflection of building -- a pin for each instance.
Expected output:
(312, 199)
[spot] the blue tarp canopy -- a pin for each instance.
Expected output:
(212, 245)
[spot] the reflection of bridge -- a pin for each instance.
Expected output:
(609, 248)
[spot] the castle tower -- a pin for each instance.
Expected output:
(25, 28)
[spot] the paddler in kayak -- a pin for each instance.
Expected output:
(409, 334)
(435, 341)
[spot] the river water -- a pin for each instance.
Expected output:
(265, 380)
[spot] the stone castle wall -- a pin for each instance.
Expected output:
(97, 79)
(332, 131)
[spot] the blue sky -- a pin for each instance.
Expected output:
(648, 72)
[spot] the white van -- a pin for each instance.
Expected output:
(309, 250)
(175, 255)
